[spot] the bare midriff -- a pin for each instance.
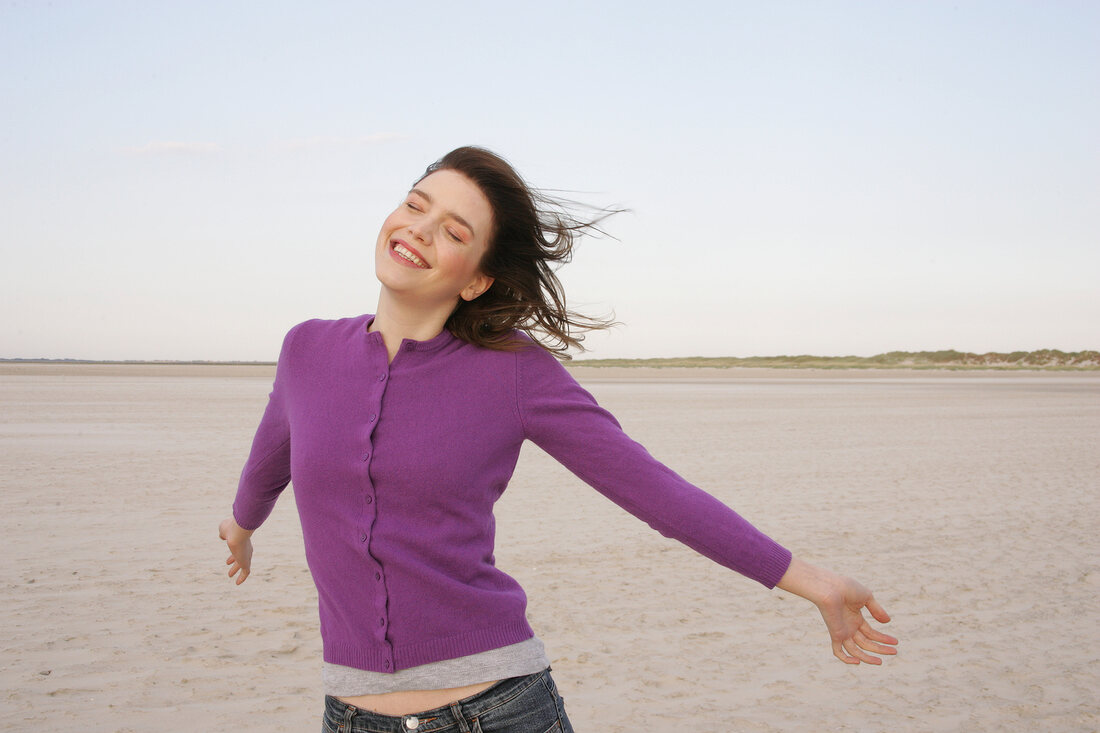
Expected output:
(414, 701)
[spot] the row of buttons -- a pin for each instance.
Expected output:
(364, 537)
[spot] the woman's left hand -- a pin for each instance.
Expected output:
(841, 602)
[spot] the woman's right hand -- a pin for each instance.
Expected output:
(240, 548)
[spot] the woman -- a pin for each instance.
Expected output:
(402, 429)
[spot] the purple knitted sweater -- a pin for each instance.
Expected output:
(396, 468)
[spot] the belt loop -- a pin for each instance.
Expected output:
(349, 713)
(457, 712)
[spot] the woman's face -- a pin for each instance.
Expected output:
(431, 246)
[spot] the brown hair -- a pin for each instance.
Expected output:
(533, 233)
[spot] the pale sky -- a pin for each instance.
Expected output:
(187, 180)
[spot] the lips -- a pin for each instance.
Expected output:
(407, 254)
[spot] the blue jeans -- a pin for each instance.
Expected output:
(528, 704)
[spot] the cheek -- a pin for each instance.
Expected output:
(468, 262)
(388, 227)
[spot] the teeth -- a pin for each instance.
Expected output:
(409, 256)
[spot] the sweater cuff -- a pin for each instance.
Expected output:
(774, 566)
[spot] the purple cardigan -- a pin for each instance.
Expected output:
(396, 468)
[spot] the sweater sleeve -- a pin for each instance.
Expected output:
(564, 420)
(267, 471)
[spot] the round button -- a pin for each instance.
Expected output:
(370, 499)
(381, 622)
(381, 377)
(411, 722)
(363, 537)
(366, 456)
(377, 576)
(373, 418)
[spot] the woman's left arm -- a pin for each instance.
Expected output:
(841, 602)
(565, 421)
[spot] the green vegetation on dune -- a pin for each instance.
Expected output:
(948, 359)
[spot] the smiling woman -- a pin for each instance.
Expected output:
(400, 431)
(430, 248)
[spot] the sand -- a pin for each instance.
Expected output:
(968, 501)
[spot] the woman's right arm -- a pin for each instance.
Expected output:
(266, 472)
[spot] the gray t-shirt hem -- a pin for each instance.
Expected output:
(514, 660)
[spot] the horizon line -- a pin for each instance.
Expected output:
(1038, 358)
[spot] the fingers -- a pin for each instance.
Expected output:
(852, 648)
(863, 645)
(840, 653)
(236, 569)
(879, 614)
(875, 635)
(861, 648)
(864, 641)
(877, 611)
(849, 652)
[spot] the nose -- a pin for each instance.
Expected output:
(420, 231)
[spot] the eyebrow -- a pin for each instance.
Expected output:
(457, 217)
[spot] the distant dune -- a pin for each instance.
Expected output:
(950, 359)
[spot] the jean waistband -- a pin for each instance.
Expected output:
(453, 718)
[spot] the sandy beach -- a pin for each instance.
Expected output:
(967, 500)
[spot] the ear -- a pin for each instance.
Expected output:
(477, 286)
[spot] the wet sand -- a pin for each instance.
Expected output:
(967, 500)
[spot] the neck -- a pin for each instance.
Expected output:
(397, 319)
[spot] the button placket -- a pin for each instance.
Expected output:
(369, 420)
(374, 405)
(372, 411)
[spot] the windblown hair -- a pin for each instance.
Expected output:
(532, 235)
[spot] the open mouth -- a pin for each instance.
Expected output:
(408, 255)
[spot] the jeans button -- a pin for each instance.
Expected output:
(411, 722)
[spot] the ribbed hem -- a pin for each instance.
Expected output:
(775, 566)
(375, 657)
